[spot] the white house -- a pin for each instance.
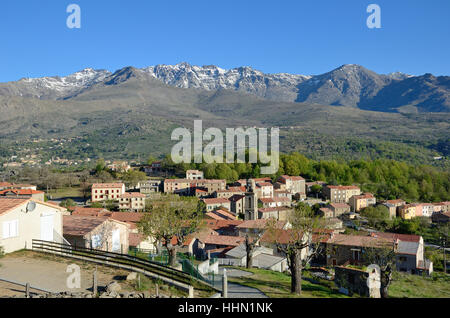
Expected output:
(25, 219)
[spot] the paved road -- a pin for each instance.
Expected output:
(236, 290)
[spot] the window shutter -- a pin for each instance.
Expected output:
(13, 228)
(5, 230)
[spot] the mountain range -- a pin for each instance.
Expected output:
(348, 113)
(349, 85)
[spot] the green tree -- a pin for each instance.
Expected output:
(67, 203)
(172, 219)
(299, 247)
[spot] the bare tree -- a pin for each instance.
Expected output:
(297, 242)
(384, 256)
(250, 245)
(104, 233)
(172, 219)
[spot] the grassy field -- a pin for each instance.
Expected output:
(415, 286)
(73, 192)
(277, 285)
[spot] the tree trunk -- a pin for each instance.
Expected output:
(385, 282)
(296, 268)
(172, 252)
(249, 248)
(249, 259)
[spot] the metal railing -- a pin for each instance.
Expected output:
(149, 268)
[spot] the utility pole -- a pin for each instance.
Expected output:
(444, 243)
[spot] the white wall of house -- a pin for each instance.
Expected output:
(18, 228)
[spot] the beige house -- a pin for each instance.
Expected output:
(274, 202)
(177, 186)
(237, 204)
(194, 174)
(132, 201)
(409, 211)
(215, 203)
(340, 194)
(107, 191)
(264, 190)
(22, 220)
(149, 187)
(101, 233)
(120, 166)
(359, 202)
(231, 191)
(295, 185)
(393, 206)
(277, 213)
(210, 185)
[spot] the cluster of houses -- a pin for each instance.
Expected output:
(252, 199)
(233, 212)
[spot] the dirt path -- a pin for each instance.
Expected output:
(49, 274)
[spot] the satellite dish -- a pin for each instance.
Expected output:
(31, 206)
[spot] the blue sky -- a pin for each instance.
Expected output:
(298, 36)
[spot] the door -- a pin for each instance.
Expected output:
(47, 227)
(116, 241)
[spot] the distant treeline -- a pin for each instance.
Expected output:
(387, 179)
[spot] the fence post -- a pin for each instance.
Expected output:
(225, 284)
(27, 290)
(95, 285)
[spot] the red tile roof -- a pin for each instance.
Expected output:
(135, 239)
(128, 195)
(76, 225)
(343, 187)
(398, 201)
(216, 201)
(259, 224)
(293, 178)
(21, 191)
(223, 240)
(222, 224)
(107, 185)
(273, 209)
(340, 205)
(274, 200)
(359, 240)
(395, 236)
(82, 211)
(364, 196)
(264, 184)
(236, 197)
(281, 236)
(8, 204)
(237, 189)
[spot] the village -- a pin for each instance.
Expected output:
(238, 222)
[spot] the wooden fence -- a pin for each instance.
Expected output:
(171, 276)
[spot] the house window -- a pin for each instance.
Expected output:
(10, 229)
(96, 241)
